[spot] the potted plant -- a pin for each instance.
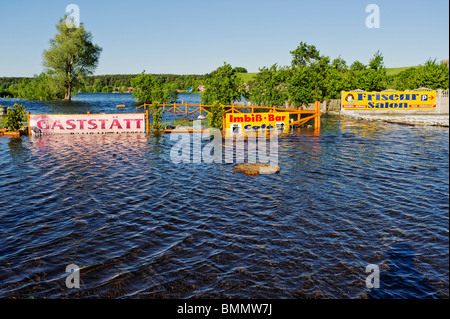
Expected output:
(2, 110)
(13, 120)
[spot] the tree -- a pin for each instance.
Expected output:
(368, 78)
(37, 88)
(216, 115)
(222, 85)
(403, 80)
(71, 56)
(375, 76)
(304, 54)
(157, 117)
(339, 64)
(301, 86)
(269, 85)
(240, 69)
(431, 75)
(357, 66)
(147, 89)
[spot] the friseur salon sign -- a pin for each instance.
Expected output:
(389, 100)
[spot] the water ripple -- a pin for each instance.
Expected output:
(139, 226)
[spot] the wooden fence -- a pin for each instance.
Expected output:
(186, 108)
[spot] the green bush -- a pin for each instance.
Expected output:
(14, 117)
(215, 118)
(157, 117)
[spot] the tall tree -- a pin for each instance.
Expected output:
(304, 54)
(269, 87)
(301, 87)
(71, 56)
(147, 89)
(431, 75)
(222, 85)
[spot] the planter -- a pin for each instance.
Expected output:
(12, 134)
(5, 132)
(2, 110)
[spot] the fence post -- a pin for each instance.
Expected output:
(438, 100)
(28, 123)
(317, 118)
(147, 123)
(186, 108)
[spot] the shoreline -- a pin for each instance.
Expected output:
(401, 119)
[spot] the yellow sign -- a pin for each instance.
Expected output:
(246, 123)
(389, 100)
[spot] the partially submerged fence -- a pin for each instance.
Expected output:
(296, 115)
(42, 124)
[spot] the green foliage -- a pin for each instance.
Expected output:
(304, 55)
(403, 80)
(14, 117)
(269, 88)
(157, 117)
(222, 85)
(40, 87)
(357, 66)
(216, 116)
(240, 69)
(71, 57)
(148, 89)
(431, 75)
(301, 85)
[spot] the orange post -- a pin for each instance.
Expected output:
(317, 118)
(147, 122)
(186, 108)
(28, 122)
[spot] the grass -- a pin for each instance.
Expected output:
(246, 77)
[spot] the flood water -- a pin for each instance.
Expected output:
(140, 226)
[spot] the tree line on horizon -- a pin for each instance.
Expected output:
(72, 58)
(306, 80)
(312, 76)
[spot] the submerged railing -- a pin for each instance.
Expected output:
(177, 108)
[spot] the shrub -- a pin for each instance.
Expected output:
(14, 117)
(157, 117)
(215, 118)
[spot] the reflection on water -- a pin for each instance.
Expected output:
(140, 226)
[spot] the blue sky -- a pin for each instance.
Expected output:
(197, 36)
